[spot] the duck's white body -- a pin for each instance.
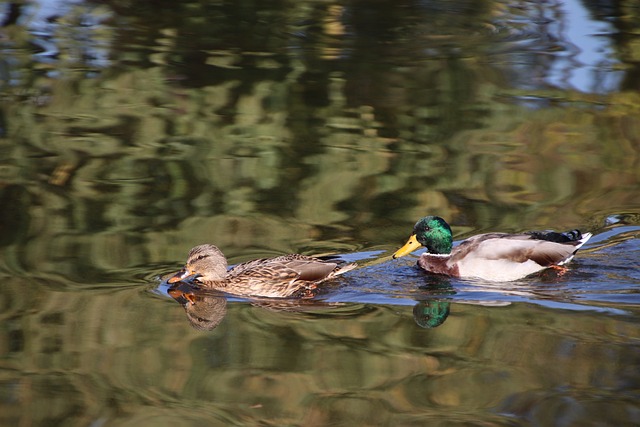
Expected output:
(501, 257)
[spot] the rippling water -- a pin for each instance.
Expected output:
(132, 131)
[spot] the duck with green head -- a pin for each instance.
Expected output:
(490, 256)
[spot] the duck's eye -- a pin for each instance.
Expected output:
(199, 257)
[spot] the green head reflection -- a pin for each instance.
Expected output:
(431, 313)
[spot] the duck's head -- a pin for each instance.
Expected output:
(205, 263)
(431, 232)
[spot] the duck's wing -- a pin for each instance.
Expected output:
(261, 269)
(284, 275)
(286, 267)
(517, 248)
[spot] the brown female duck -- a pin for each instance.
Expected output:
(285, 276)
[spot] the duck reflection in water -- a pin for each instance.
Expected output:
(207, 308)
(204, 310)
(431, 313)
(433, 310)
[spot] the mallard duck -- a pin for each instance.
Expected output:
(490, 256)
(284, 276)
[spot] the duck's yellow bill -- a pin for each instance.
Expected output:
(409, 247)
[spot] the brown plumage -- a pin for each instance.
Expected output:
(285, 276)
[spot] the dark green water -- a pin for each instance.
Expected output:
(132, 131)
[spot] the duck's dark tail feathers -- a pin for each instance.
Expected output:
(554, 236)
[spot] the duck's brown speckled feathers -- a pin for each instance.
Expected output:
(284, 276)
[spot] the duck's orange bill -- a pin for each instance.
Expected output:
(409, 247)
(180, 275)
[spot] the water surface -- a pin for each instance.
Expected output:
(132, 131)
